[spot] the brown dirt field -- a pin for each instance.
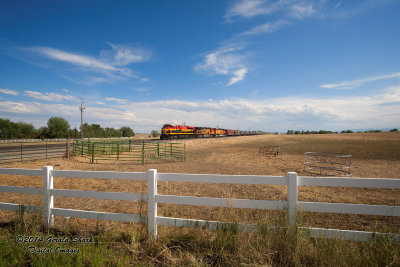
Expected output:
(375, 155)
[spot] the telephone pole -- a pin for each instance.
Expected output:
(82, 108)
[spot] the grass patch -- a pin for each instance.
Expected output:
(118, 244)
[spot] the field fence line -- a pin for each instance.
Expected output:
(292, 205)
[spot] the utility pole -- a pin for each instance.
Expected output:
(82, 108)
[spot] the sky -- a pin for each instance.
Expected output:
(245, 64)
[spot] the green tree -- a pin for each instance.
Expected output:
(394, 130)
(126, 131)
(25, 130)
(42, 133)
(154, 133)
(57, 127)
(5, 128)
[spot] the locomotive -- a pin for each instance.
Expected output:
(170, 131)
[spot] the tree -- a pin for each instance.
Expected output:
(126, 131)
(5, 127)
(394, 130)
(57, 127)
(154, 133)
(25, 130)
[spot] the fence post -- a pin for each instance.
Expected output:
(117, 151)
(292, 197)
(152, 203)
(21, 151)
(67, 148)
(143, 153)
(48, 199)
(184, 152)
(46, 149)
(92, 152)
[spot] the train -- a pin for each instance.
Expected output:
(169, 132)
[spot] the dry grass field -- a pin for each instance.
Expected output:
(374, 155)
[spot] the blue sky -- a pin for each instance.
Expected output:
(246, 64)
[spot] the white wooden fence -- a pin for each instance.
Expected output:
(153, 198)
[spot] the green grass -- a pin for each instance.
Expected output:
(127, 245)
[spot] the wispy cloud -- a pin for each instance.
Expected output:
(267, 27)
(238, 76)
(232, 61)
(356, 83)
(250, 8)
(122, 55)
(110, 65)
(53, 97)
(118, 100)
(338, 5)
(226, 60)
(287, 8)
(302, 10)
(8, 92)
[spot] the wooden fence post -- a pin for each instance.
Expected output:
(152, 203)
(292, 197)
(48, 199)
(21, 151)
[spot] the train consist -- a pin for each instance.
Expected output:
(170, 131)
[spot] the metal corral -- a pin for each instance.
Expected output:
(24, 151)
(129, 151)
(318, 163)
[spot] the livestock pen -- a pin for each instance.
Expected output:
(128, 151)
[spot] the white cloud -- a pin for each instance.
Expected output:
(356, 83)
(302, 10)
(53, 97)
(250, 8)
(8, 92)
(238, 76)
(122, 55)
(110, 65)
(118, 100)
(381, 110)
(225, 61)
(65, 90)
(267, 27)
(338, 5)
(286, 8)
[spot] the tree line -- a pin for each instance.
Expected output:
(58, 127)
(330, 132)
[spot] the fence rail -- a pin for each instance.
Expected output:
(292, 205)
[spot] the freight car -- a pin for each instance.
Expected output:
(170, 131)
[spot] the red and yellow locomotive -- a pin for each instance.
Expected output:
(170, 131)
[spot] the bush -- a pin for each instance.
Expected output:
(154, 133)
